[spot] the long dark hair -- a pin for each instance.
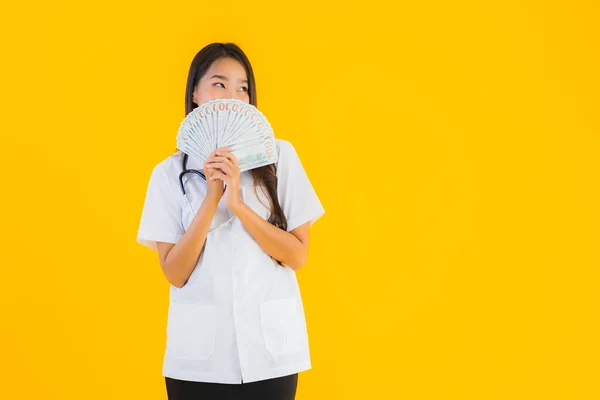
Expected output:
(263, 176)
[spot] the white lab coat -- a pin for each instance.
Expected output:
(240, 315)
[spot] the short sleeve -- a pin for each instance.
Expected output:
(161, 214)
(297, 196)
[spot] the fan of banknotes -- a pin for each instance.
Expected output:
(228, 122)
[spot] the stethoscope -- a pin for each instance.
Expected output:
(184, 172)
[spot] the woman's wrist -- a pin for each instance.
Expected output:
(212, 199)
(237, 207)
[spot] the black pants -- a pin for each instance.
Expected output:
(283, 388)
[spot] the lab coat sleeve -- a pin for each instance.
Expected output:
(297, 196)
(161, 214)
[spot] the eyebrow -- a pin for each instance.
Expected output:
(225, 78)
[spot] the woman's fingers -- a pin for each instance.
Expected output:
(222, 166)
(207, 168)
(230, 156)
(219, 150)
(220, 175)
(220, 159)
(227, 162)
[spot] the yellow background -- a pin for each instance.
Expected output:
(454, 146)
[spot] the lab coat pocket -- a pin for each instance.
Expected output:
(258, 201)
(191, 330)
(282, 326)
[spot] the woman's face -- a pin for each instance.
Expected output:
(225, 79)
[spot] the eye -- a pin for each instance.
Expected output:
(245, 88)
(219, 83)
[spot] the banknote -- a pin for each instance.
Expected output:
(232, 123)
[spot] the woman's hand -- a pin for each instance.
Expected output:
(226, 170)
(215, 187)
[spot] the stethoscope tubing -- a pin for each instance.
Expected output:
(182, 174)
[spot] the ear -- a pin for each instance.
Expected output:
(194, 95)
